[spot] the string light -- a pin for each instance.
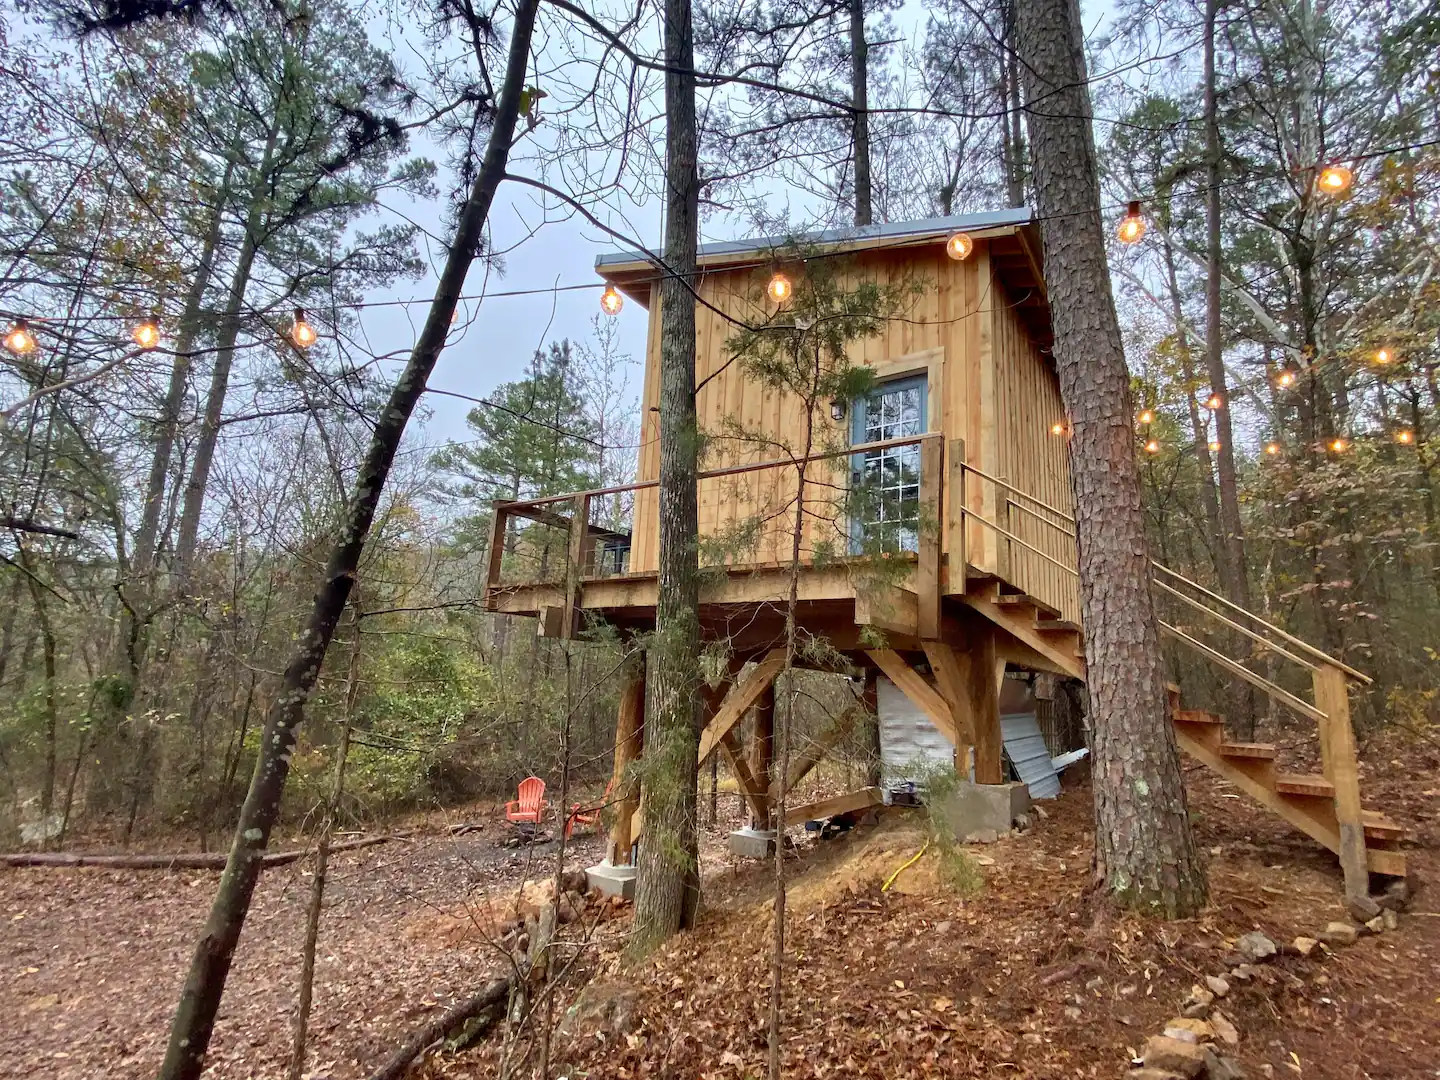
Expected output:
(1132, 225)
(1214, 402)
(1339, 445)
(1334, 179)
(959, 246)
(780, 288)
(301, 332)
(20, 339)
(1146, 417)
(1272, 448)
(1286, 378)
(1405, 436)
(611, 301)
(146, 333)
(1153, 446)
(1214, 446)
(1057, 428)
(1382, 356)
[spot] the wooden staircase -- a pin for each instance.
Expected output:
(1312, 803)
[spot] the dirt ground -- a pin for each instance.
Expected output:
(1019, 978)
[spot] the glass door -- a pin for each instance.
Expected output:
(886, 483)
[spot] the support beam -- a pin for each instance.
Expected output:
(751, 788)
(895, 668)
(811, 756)
(629, 744)
(762, 750)
(575, 563)
(888, 608)
(950, 679)
(977, 666)
(932, 528)
(840, 804)
(1337, 752)
(747, 691)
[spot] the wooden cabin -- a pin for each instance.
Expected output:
(964, 434)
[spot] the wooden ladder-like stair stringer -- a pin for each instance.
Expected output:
(1305, 801)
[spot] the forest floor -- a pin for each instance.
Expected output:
(1017, 978)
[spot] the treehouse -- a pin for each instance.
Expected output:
(936, 537)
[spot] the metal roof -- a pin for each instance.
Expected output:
(895, 230)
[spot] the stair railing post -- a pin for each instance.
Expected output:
(927, 569)
(574, 563)
(498, 520)
(955, 515)
(1337, 753)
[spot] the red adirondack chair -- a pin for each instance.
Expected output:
(580, 814)
(530, 806)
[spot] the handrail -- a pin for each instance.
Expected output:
(732, 470)
(1260, 639)
(964, 513)
(1023, 494)
(1279, 693)
(1304, 646)
(1069, 534)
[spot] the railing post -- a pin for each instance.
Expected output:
(629, 745)
(955, 515)
(927, 570)
(498, 521)
(1337, 752)
(574, 563)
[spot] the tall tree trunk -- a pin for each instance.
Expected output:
(667, 892)
(1010, 64)
(1236, 578)
(1145, 853)
(860, 112)
(52, 717)
(200, 998)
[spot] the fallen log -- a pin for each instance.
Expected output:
(183, 861)
(492, 996)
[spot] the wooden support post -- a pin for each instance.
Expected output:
(1337, 752)
(575, 564)
(629, 744)
(870, 699)
(977, 666)
(747, 691)
(950, 678)
(955, 518)
(498, 520)
(932, 527)
(762, 748)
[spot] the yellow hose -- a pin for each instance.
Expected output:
(905, 866)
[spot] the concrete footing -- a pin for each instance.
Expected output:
(612, 880)
(752, 843)
(983, 811)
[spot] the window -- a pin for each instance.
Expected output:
(887, 482)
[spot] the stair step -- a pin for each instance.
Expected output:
(1056, 626)
(1379, 827)
(1197, 716)
(1304, 784)
(1262, 751)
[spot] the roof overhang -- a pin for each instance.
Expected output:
(1014, 254)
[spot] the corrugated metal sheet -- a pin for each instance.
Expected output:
(1025, 747)
(910, 745)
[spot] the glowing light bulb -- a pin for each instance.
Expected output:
(1383, 356)
(19, 339)
(1132, 226)
(780, 289)
(1057, 428)
(146, 333)
(959, 246)
(1405, 436)
(611, 301)
(301, 332)
(1272, 448)
(1334, 179)
(1214, 446)
(1214, 401)
(1153, 446)
(1285, 379)
(1339, 445)
(1146, 417)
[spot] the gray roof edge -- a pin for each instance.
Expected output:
(896, 230)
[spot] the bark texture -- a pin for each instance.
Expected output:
(667, 891)
(860, 113)
(1145, 852)
(200, 998)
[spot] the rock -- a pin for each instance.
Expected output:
(1095, 985)
(1255, 947)
(943, 927)
(1073, 1013)
(1390, 919)
(1304, 945)
(1376, 925)
(1040, 812)
(606, 1007)
(1217, 985)
(1022, 822)
(1197, 1004)
(1188, 1029)
(1361, 908)
(1396, 896)
(1224, 1029)
(1242, 973)
(982, 836)
(1233, 959)
(1129, 990)
(1338, 933)
(1033, 1038)
(1173, 1056)
(1221, 1068)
